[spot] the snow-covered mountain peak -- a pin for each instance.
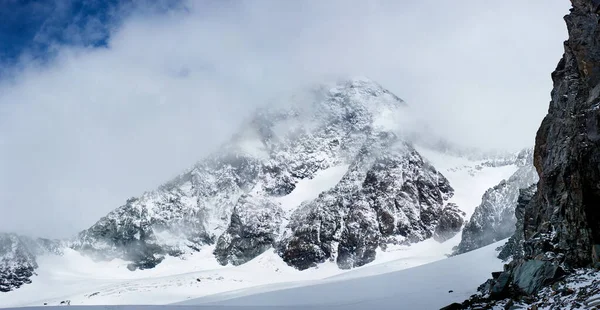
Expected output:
(351, 105)
(348, 128)
(319, 177)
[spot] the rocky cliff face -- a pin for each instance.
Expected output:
(494, 219)
(564, 217)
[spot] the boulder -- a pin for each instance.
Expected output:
(532, 275)
(500, 288)
(451, 220)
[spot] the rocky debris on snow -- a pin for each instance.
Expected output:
(93, 294)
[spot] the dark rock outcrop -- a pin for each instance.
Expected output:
(253, 229)
(18, 258)
(532, 275)
(133, 233)
(453, 306)
(575, 291)
(450, 222)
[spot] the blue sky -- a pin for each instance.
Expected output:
(104, 100)
(37, 29)
(32, 27)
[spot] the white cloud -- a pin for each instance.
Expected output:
(95, 126)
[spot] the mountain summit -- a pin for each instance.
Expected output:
(321, 176)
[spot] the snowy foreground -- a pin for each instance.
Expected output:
(424, 287)
(428, 286)
(82, 281)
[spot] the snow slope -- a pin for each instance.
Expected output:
(470, 179)
(424, 287)
(429, 286)
(309, 189)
